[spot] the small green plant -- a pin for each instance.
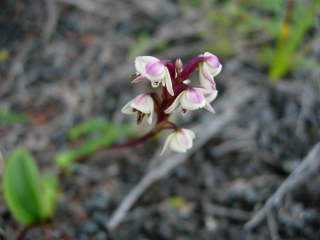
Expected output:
(144, 43)
(94, 134)
(30, 197)
(9, 117)
(273, 32)
(300, 17)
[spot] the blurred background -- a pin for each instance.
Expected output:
(65, 66)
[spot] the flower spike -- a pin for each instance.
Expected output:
(177, 92)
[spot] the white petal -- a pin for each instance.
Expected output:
(167, 142)
(143, 103)
(209, 108)
(175, 103)
(127, 109)
(150, 118)
(189, 132)
(212, 96)
(207, 54)
(141, 62)
(193, 99)
(205, 77)
(214, 71)
(186, 137)
(168, 82)
(176, 144)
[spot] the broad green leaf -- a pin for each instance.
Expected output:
(21, 187)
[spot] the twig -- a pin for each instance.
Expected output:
(308, 168)
(222, 211)
(273, 226)
(204, 133)
(1, 164)
(93, 7)
(52, 20)
(17, 67)
(23, 233)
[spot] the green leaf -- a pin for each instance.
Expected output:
(21, 187)
(30, 198)
(105, 135)
(145, 43)
(8, 117)
(49, 195)
(287, 45)
(88, 127)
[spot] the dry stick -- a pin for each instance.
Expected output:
(17, 67)
(94, 7)
(204, 132)
(221, 211)
(308, 168)
(273, 226)
(52, 19)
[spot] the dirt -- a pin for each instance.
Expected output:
(70, 62)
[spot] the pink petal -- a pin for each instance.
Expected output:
(155, 68)
(195, 95)
(213, 61)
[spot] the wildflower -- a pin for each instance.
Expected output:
(208, 69)
(191, 99)
(179, 141)
(154, 70)
(142, 105)
(177, 91)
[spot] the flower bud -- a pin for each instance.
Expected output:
(208, 69)
(179, 141)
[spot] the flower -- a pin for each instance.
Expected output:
(210, 96)
(179, 141)
(208, 69)
(142, 105)
(191, 99)
(155, 70)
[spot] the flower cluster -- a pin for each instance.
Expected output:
(176, 93)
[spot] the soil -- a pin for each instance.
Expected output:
(69, 61)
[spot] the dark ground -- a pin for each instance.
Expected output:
(68, 62)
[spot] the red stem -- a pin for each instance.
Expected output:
(136, 141)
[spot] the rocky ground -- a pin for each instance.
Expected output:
(69, 61)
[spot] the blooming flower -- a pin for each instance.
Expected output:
(177, 91)
(142, 105)
(154, 70)
(179, 141)
(191, 99)
(208, 69)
